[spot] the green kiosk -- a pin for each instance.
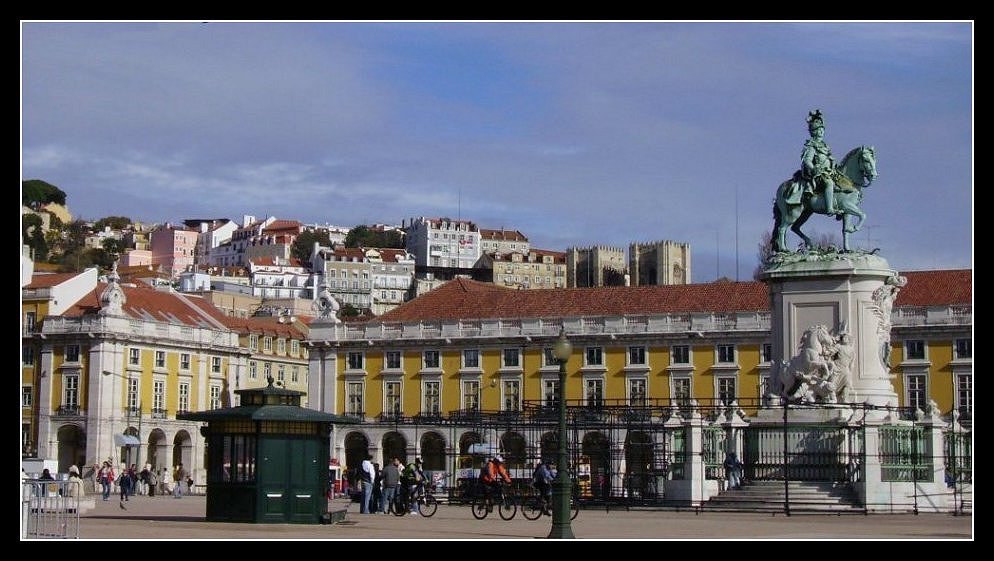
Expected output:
(267, 459)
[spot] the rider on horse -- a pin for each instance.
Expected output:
(817, 164)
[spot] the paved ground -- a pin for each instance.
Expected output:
(169, 518)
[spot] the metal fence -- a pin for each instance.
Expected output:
(50, 509)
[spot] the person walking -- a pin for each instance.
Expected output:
(180, 478)
(367, 474)
(390, 480)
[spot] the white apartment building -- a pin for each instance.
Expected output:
(443, 242)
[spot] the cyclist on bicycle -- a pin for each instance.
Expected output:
(495, 474)
(413, 478)
(542, 480)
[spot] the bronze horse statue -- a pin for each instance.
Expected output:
(794, 205)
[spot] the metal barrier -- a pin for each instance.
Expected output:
(50, 509)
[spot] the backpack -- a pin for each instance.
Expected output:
(538, 477)
(484, 476)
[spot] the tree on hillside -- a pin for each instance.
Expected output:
(115, 223)
(304, 244)
(348, 311)
(33, 236)
(765, 247)
(35, 193)
(364, 236)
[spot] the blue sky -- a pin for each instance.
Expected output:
(573, 133)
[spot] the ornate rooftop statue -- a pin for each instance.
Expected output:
(823, 186)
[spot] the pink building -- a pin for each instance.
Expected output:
(173, 249)
(136, 257)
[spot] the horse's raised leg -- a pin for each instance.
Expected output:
(796, 227)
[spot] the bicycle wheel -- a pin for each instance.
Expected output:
(532, 508)
(399, 506)
(428, 505)
(508, 508)
(574, 509)
(479, 508)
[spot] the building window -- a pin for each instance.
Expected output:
(764, 391)
(215, 397)
(512, 358)
(636, 391)
(26, 393)
(30, 321)
(72, 353)
(353, 399)
(294, 347)
(432, 401)
(132, 394)
(393, 360)
(70, 391)
(471, 395)
(726, 354)
(964, 348)
(681, 354)
(595, 391)
(964, 394)
(917, 395)
(548, 357)
(471, 358)
(636, 356)
(392, 393)
(550, 393)
(253, 342)
(27, 355)
(184, 361)
(253, 369)
(355, 360)
(593, 356)
(512, 395)
(726, 389)
(914, 349)
(294, 374)
(267, 344)
(281, 346)
(431, 359)
(134, 356)
(158, 395)
(267, 369)
(681, 389)
(766, 353)
(160, 359)
(216, 364)
(184, 397)
(281, 373)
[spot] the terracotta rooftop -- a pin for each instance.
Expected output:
(265, 326)
(271, 262)
(156, 305)
(467, 299)
(48, 280)
(936, 288)
(284, 225)
(505, 235)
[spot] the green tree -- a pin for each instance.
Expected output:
(113, 246)
(115, 223)
(304, 244)
(364, 236)
(35, 193)
(348, 311)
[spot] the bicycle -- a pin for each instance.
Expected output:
(425, 503)
(483, 504)
(534, 506)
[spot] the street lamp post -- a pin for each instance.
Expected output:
(562, 488)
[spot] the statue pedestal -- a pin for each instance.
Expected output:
(829, 290)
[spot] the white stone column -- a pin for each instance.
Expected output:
(47, 403)
(322, 367)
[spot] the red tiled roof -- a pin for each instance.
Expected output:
(557, 255)
(48, 280)
(467, 299)
(271, 262)
(148, 303)
(265, 326)
(936, 288)
(390, 255)
(506, 235)
(284, 225)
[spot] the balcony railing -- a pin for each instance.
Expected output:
(67, 411)
(158, 413)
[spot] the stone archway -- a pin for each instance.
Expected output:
(356, 450)
(596, 448)
(433, 451)
(157, 450)
(550, 447)
(394, 446)
(466, 460)
(183, 450)
(72, 447)
(639, 456)
(513, 448)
